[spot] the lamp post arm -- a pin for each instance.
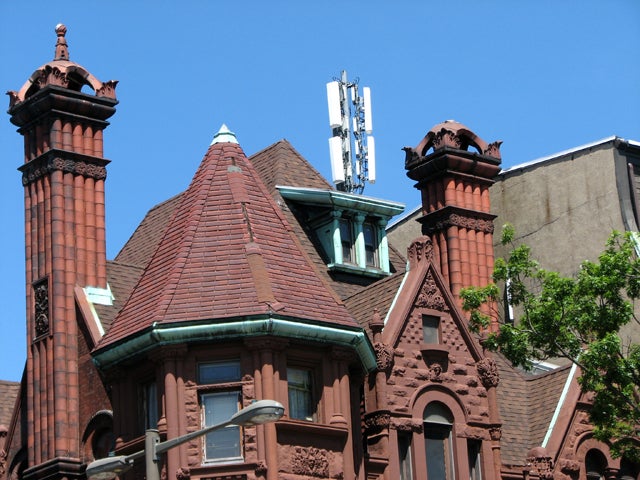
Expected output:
(174, 442)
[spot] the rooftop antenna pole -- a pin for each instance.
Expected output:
(351, 146)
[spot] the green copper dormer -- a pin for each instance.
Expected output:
(349, 227)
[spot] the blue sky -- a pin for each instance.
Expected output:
(543, 76)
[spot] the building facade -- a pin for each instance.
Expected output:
(261, 281)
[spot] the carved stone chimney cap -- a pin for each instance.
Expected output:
(63, 73)
(456, 135)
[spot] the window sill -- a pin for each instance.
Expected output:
(354, 269)
(310, 428)
(232, 468)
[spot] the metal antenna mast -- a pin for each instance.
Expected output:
(352, 157)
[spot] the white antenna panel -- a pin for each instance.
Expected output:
(335, 152)
(368, 123)
(333, 99)
(371, 148)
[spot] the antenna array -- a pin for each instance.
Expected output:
(352, 159)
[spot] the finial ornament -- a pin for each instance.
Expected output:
(62, 51)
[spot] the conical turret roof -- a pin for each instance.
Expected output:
(228, 252)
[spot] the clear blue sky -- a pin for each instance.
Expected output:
(542, 76)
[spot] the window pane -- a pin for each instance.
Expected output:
(430, 329)
(219, 372)
(370, 244)
(300, 394)
(404, 452)
(346, 238)
(474, 448)
(225, 443)
(439, 452)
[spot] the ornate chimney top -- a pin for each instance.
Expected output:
(62, 72)
(62, 51)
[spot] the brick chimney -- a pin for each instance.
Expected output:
(63, 177)
(454, 169)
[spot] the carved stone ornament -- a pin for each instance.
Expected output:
(430, 296)
(420, 249)
(488, 372)
(384, 356)
(376, 421)
(569, 467)
(310, 461)
(41, 307)
(183, 473)
(261, 468)
(540, 463)
(462, 221)
(39, 168)
(495, 433)
(435, 372)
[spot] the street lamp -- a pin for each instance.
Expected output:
(262, 411)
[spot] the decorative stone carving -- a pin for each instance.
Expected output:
(384, 356)
(39, 168)
(408, 425)
(310, 461)
(3, 450)
(468, 221)
(376, 421)
(435, 372)
(41, 307)
(541, 463)
(488, 372)
(430, 296)
(569, 467)
(183, 473)
(495, 433)
(420, 249)
(261, 469)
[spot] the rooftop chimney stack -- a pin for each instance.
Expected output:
(63, 177)
(454, 181)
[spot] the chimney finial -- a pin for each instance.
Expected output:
(62, 52)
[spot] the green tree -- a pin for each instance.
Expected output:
(578, 319)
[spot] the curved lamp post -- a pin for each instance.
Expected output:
(262, 411)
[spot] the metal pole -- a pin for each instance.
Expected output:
(152, 462)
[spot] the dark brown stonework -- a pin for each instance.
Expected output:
(88, 167)
(430, 296)
(457, 217)
(41, 307)
(384, 356)
(488, 372)
(310, 461)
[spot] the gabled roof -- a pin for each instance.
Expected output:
(527, 405)
(8, 393)
(281, 164)
(227, 252)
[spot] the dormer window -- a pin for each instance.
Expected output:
(346, 239)
(349, 227)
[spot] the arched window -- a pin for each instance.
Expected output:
(629, 470)
(438, 430)
(595, 464)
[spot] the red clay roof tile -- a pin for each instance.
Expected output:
(200, 269)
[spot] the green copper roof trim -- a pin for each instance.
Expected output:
(160, 334)
(342, 200)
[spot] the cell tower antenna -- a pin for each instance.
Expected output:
(351, 146)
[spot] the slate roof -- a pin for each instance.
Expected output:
(378, 296)
(227, 251)
(526, 405)
(8, 393)
(281, 164)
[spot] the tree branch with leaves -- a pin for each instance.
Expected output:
(576, 318)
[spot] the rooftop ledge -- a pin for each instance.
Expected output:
(160, 334)
(341, 200)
